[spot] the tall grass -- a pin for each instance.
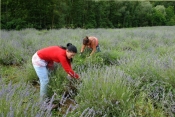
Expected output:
(20, 100)
(133, 75)
(104, 91)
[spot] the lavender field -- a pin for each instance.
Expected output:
(132, 76)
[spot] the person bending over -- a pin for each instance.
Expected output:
(44, 59)
(92, 43)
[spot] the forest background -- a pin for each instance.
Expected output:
(56, 14)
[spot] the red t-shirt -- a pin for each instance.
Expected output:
(57, 54)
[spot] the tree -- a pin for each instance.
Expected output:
(89, 15)
(143, 13)
(13, 14)
(77, 13)
(170, 17)
(102, 14)
(159, 14)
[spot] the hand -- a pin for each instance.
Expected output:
(88, 56)
(79, 80)
(50, 67)
(80, 53)
(69, 77)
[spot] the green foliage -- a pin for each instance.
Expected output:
(10, 55)
(133, 75)
(30, 74)
(159, 15)
(15, 24)
(8, 73)
(111, 57)
(145, 107)
(153, 78)
(170, 16)
(130, 45)
(19, 100)
(58, 14)
(77, 13)
(57, 82)
(143, 11)
(98, 59)
(106, 91)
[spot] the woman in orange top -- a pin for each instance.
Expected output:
(92, 43)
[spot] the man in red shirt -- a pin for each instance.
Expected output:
(45, 58)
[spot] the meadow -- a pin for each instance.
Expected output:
(132, 76)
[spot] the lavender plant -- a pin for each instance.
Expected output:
(132, 76)
(20, 99)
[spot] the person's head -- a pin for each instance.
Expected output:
(86, 40)
(71, 50)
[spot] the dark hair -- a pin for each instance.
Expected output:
(70, 48)
(69, 44)
(86, 40)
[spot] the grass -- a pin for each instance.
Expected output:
(133, 75)
(110, 90)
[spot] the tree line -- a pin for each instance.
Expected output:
(55, 14)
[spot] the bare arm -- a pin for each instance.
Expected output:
(93, 48)
(82, 48)
(67, 67)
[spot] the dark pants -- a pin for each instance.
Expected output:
(98, 48)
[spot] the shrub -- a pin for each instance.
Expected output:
(20, 99)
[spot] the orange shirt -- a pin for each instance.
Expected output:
(91, 39)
